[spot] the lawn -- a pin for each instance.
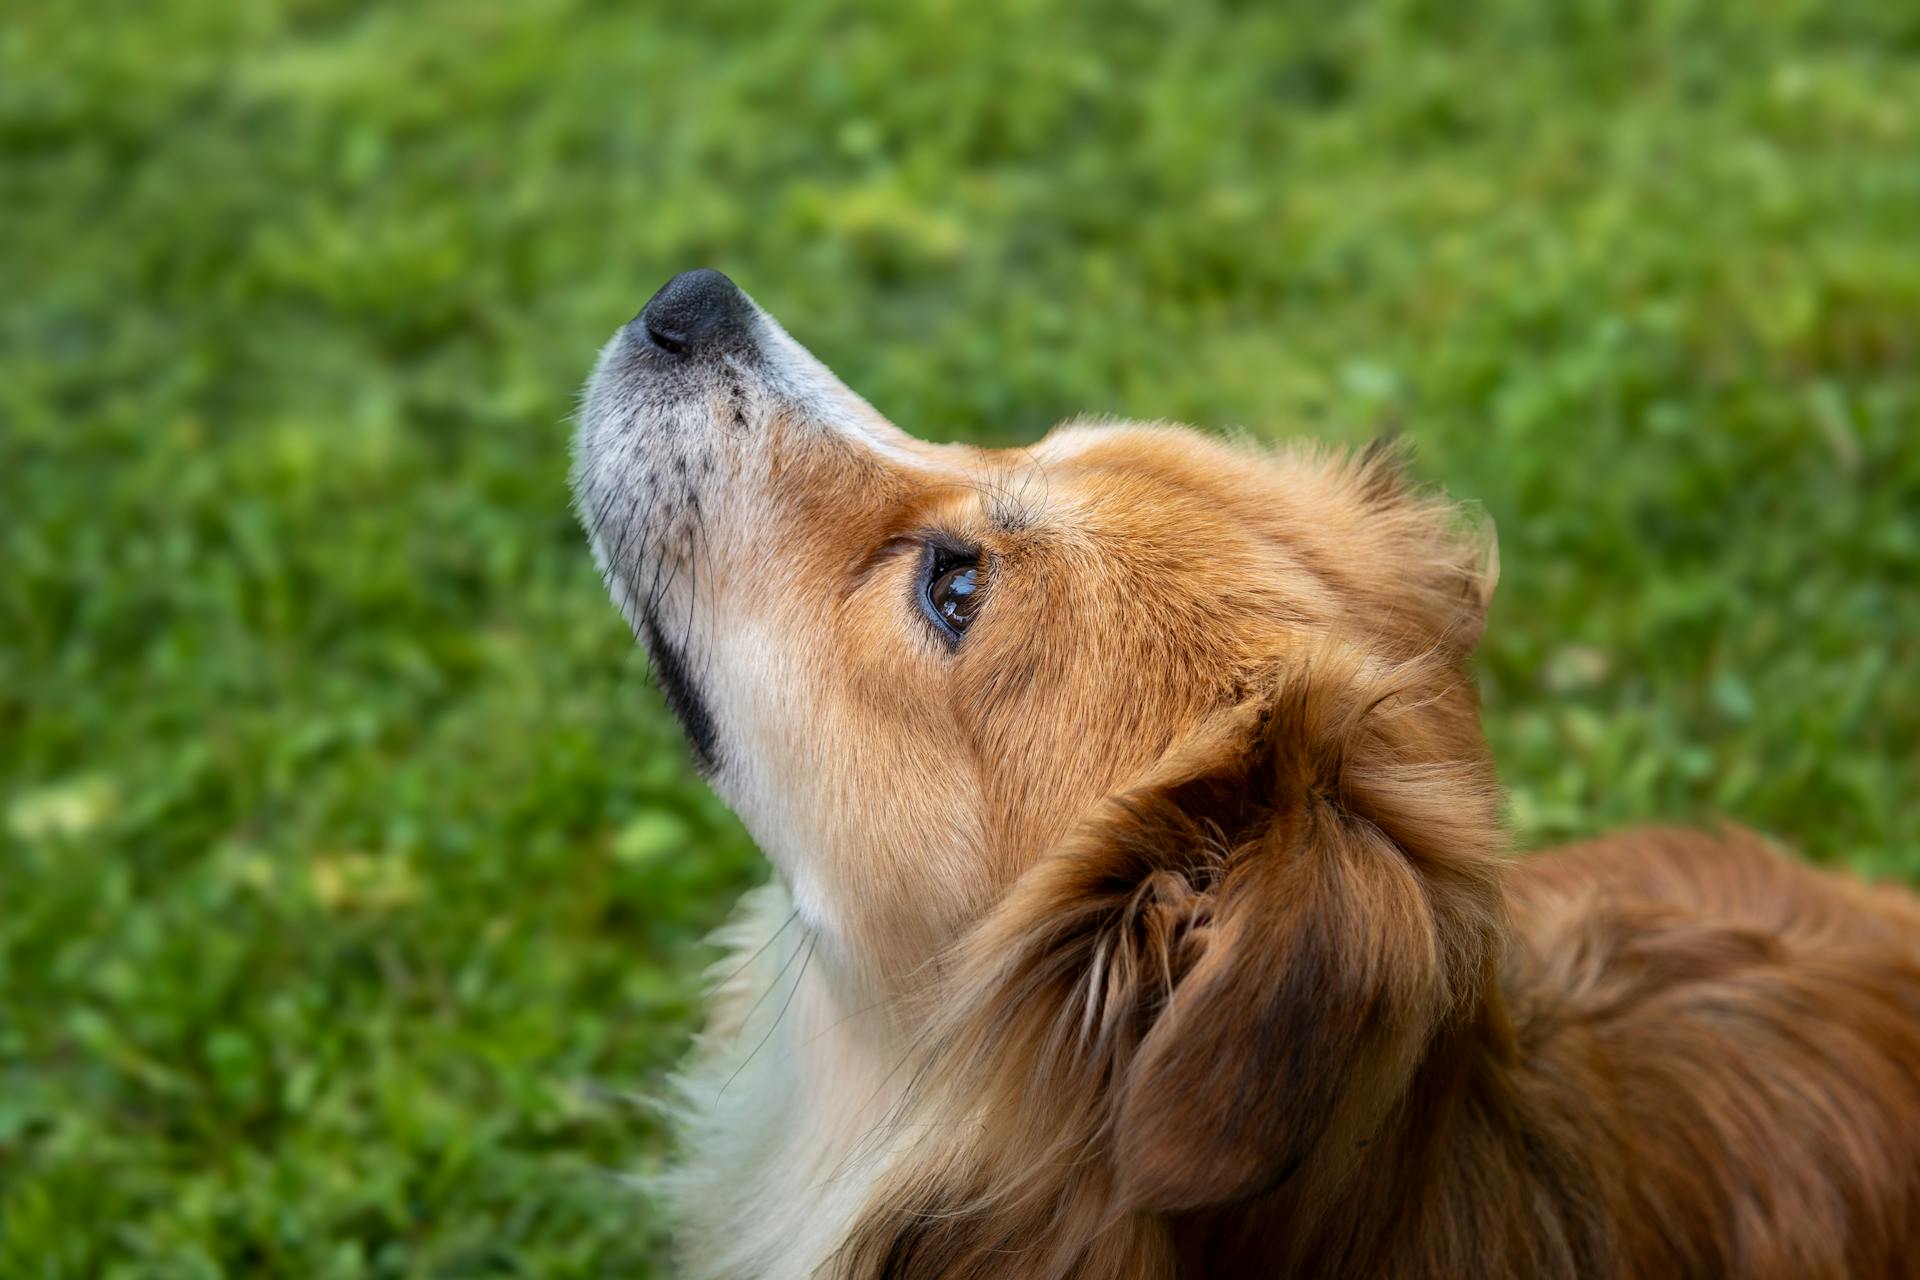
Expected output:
(352, 876)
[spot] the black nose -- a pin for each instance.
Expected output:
(696, 310)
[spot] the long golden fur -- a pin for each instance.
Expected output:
(1161, 925)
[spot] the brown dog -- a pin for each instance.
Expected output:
(1141, 905)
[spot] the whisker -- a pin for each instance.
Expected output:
(777, 1019)
(755, 1006)
(762, 948)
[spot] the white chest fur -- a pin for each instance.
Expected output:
(781, 1109)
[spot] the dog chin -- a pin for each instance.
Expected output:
(672, 668)
(684, 697)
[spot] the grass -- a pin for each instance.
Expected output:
(353, 873)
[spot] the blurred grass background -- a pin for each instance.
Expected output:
(352, 872)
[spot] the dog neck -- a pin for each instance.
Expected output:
(785, 1110)
(1481, 1133)
(796, 1112)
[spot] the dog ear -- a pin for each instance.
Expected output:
(1440, 559)
(1231, 968)
(1349, 909)
(1479, 568)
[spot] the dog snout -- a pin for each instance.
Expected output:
(695, 312)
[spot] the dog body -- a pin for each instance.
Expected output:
(1678, 1092)
(1141, 904)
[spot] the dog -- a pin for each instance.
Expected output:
(1141, 903)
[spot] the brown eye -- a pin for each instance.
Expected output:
(954, 587)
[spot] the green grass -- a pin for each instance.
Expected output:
(350, 871)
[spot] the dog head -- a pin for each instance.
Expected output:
(1140, 708)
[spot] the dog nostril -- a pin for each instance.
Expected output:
(695, 309)
(667, 342)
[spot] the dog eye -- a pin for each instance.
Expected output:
(952, 588)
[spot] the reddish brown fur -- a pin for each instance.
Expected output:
(1176, 894)
(1282, 1010)
(1337, 1038)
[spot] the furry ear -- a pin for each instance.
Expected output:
(1480, 571)
(1443, 558)
(1230, 969)
(1355, 911)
